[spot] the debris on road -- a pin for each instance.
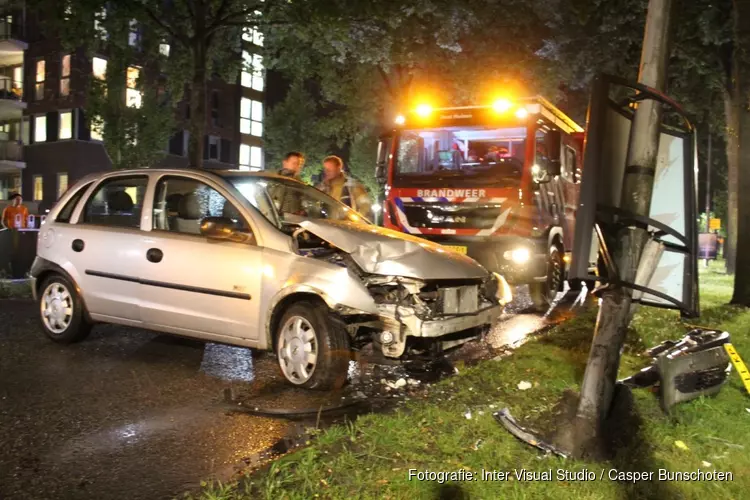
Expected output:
(468, 415)
(524, 385)
(681, 445)
(696, 365)
(506, 420)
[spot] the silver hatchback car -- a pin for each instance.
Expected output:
(255, 260)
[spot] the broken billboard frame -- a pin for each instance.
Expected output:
(673, 215)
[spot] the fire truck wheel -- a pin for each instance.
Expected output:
(542, 294)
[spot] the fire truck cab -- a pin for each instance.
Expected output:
(498, 182)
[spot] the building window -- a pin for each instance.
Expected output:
(256, 158)
(133, 97)
(65, 76)
(164, 49)
(215, 108)
(244, 157)
(18, 81)
(62, 184)
(134, 37)
(66, 125)
(97, 128)
(38, 188)
(251, 117)
(252, 73)
(213, 147)
(40, 128)
(252, 35)
(41, 75)
(99, 68)
(99, 19)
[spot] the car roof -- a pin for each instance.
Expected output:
(262, 174)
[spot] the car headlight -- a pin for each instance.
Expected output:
(518, 255)
(504, 294)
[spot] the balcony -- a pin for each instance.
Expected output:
(11, 42)
(11, 103)
(11, 156)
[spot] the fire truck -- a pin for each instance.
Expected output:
(498, 182)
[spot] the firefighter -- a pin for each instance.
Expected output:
(345, 189)
(292, 165)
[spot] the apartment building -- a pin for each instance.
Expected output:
(45, 142)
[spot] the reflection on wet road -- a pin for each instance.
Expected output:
(132, 414)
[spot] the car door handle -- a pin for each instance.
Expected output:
(154, 255)
(77, 245)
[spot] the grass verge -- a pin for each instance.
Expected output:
(372, 457)
(13, 290)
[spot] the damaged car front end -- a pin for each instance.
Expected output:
(352, 283)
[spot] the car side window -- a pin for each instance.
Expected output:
(66, 212)
(117, 202)
(181, 204)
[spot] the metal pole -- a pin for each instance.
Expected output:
(708, 179)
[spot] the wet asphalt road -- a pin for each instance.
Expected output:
(137, 415)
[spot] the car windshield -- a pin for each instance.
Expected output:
(291, 200)
(469, 155)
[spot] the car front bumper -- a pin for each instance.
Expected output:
(402, 323)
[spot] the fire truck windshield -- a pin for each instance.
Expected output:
(466, 155)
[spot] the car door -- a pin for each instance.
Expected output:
(192, 284)
(101, 249)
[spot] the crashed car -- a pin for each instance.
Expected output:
(255, 260)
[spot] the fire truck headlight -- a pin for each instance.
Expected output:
(501, 105)
(504, 293)
(424, 110)
(522, 113)
(400, 120)
(376, 208)
(518, 255)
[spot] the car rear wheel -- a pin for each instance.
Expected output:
(542, 294)
(61, 311)
(313, 349)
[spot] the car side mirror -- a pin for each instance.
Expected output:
(223, 228)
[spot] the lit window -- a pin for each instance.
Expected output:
(133, 97)
(134, 37)
(38, 188)
(40, 128)
(256, 157)
(164, 49)
(252, 35)
(62, 184)
(99, 19)
(65, 76)
(254, 77)
(251, 117)
(18, 81)
(99, 67)
(66, 125)
(41, 75)
(97, 128)
(244, 156)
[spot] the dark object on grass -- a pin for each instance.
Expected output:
(696, 365)
(506, 420)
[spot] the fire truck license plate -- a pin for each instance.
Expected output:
(456, 249)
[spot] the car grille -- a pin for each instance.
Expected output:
(450, 300)
(451, 215)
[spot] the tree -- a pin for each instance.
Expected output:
(742, 64)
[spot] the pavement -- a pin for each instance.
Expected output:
(130, 414)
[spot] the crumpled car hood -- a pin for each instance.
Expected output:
(386, 252)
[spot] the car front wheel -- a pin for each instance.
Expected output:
(61, 311)
(312, 348)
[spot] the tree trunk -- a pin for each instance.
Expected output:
(197, 124)
(732, 116)
(597, 387)
(742, 61)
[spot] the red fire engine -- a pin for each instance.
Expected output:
(499, 183)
